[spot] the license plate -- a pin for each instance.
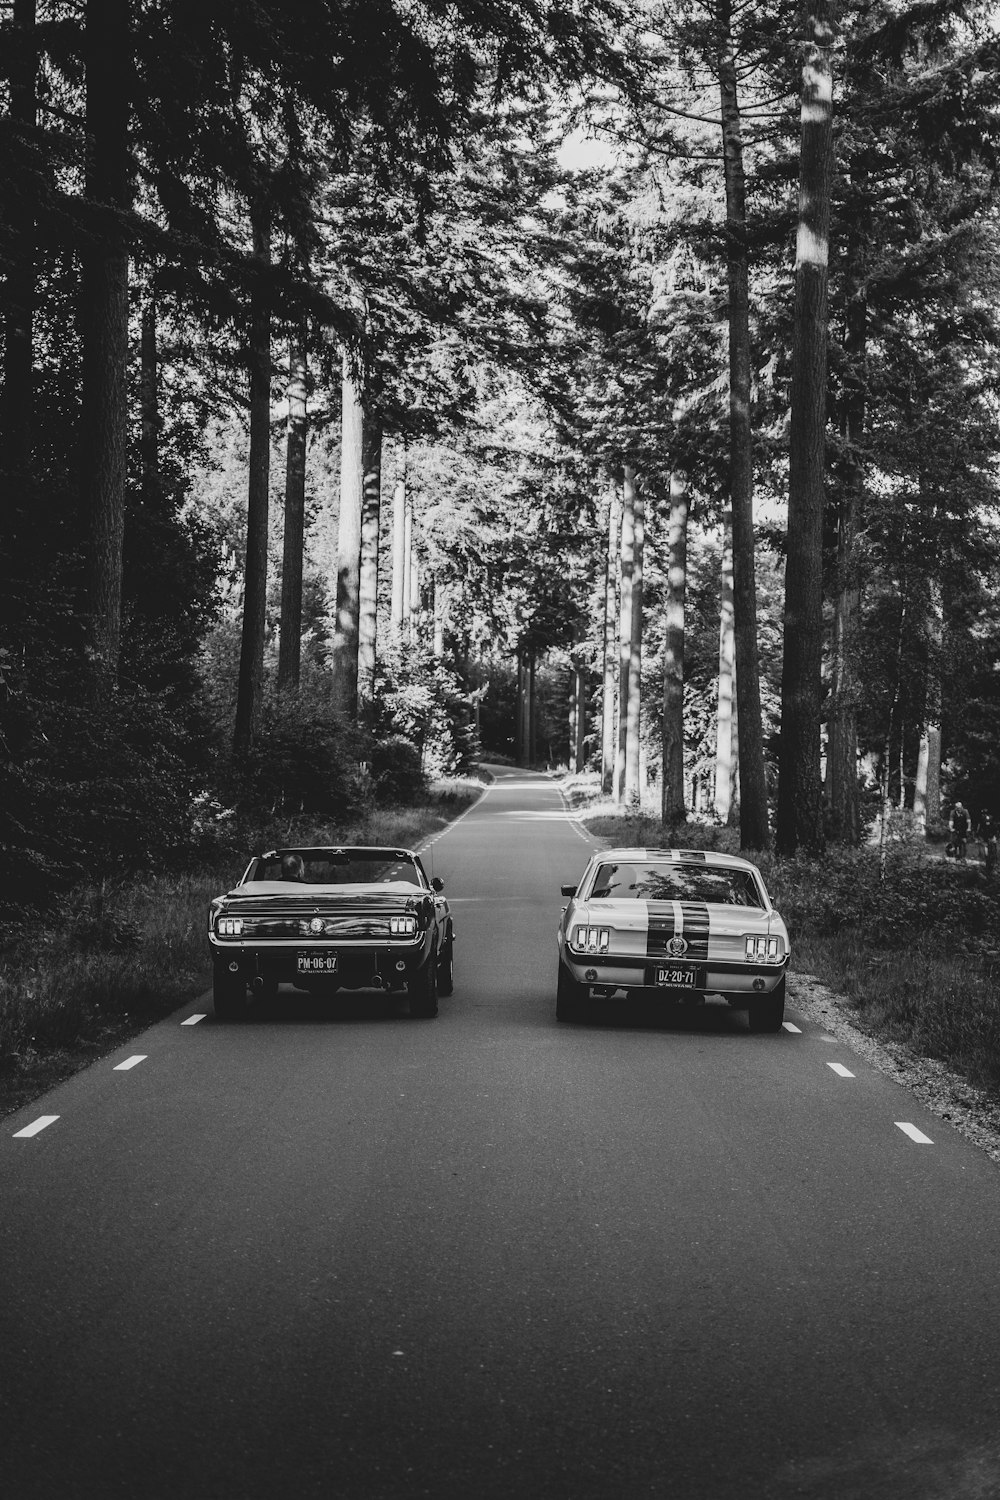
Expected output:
(680, 976)
(316, 963)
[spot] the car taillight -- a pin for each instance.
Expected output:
(403, 926)
(229, 926)
(591, 939)
(764, 950)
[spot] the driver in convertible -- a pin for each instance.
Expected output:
(293, 867)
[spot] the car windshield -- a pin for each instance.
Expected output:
(648, 881)
(337, 867)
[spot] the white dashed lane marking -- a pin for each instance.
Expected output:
(788, 1025)
(914, 1133)
(35, 1126)
(840, 1070)
(130, 1062)
(193, 1020)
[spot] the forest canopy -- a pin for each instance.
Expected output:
(392, 385)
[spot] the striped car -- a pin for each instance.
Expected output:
(677, 924)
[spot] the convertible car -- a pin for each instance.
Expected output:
(325, 920)
(676, 924)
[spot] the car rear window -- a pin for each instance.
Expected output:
(337, 868)
(675, 882)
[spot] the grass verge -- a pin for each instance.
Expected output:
(114, 958)
(916, 957)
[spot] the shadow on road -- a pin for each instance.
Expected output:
(293, 1005)
(710, 1019)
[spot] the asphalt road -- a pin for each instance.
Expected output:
(340, 1253)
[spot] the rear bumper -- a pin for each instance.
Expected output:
(377, 966)
(739, 983)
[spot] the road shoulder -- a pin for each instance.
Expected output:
(972, 1111)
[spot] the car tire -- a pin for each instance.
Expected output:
(768, 1013)
(446, 968)
(571, 997)
(421, 990)
(229, 995)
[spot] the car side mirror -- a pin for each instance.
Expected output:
(567, 890)
(437, 884)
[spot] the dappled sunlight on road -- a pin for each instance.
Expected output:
(522, 815)
(505, 785)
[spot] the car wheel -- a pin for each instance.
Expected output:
(571, 997)
(229, 995)
(421, 989)
(768, 1013)
(446, 968)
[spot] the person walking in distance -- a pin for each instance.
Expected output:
(959, 826)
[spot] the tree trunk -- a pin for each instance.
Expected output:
(578, 705)
(734, 780)
(398, 558)
(724, 704)
(532, 735)
(18, 368)
(371, 514)
(611, 564)
(104, 326)
(672, 788)
(520, 739)
(626, 568)
(149, 403)
(800, 807)
(580, 746)
(352, 483)
(413, 592)
(927, 788)
(885, 800)
(633, 754)
(251, 679)
(439, 618)
(842, 740)
(290, 639)
(754, 828)
(407, 569)
(573, 716)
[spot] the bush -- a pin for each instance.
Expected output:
(302, 761)
(844, 890)
(419, 698)
(92, 792)
(397, 776)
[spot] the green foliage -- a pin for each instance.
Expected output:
(301, 761)
(919, 897)
(94, 919)
(418, 698)
(397, 775)
(91, 791)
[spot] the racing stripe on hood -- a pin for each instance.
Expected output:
(695, 928)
